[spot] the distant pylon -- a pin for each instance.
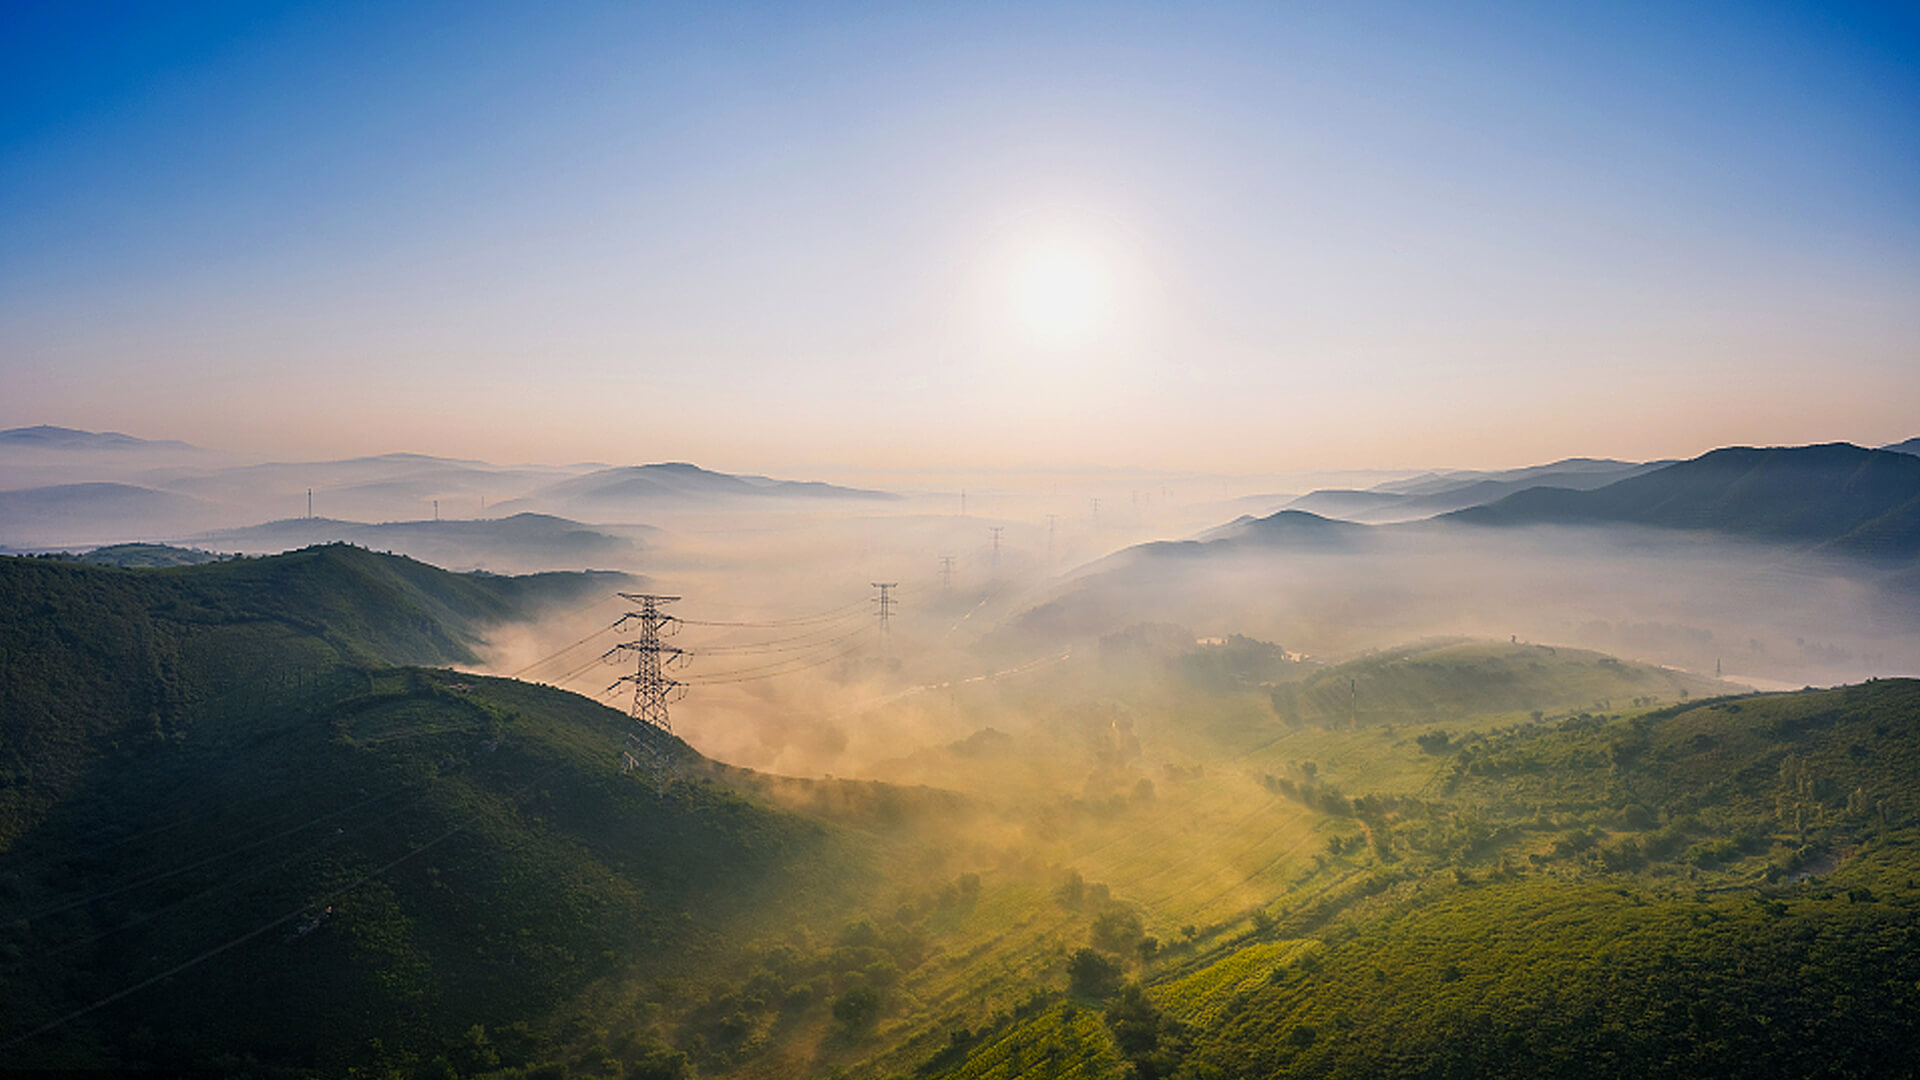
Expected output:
(1051, 518)
(886, 604)
(649, 743)
(946, 571)
(996, 530)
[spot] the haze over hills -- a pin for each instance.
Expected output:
(1193, 766)
(127, 489)
(1790, 564)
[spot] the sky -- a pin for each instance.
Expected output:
(1239, 238)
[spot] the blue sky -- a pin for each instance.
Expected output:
(760, 236)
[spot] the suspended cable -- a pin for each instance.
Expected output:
(562, 652)
(825, 616)
(777, 663)
(841, 655)
(781, 644)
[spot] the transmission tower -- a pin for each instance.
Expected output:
(886, 603)
(649, 743)
(946, 571)
(996, 530)
(1051, 518)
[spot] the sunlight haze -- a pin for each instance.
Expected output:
(1253, 237)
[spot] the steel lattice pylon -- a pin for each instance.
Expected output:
(649, 743)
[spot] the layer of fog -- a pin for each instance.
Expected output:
(1694, 601)
(806, 684)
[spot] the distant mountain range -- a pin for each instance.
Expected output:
(1835, 497)
(49, 437)
(60, 487)
(1808, 557)
(1438, 493)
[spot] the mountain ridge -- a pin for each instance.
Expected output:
(1835, 497)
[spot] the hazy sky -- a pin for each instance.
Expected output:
(1179, 235)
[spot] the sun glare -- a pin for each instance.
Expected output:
(1061, 296)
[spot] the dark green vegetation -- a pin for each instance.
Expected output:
(235, 834)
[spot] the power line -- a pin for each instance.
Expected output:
(789, 666)
(779, 644)
(705, 679)
(557, 655)
(774, 624)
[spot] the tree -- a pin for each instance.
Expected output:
(1092, 974)
(858, 1008)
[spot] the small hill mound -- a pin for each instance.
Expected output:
(1459, 678)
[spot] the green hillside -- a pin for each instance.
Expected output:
(237, 833)
(99, 661)
(1717, 889)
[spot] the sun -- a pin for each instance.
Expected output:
(1062, 295)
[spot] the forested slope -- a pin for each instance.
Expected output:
(241, 837)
